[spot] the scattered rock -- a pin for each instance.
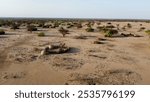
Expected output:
(55, 49)
(45, 51)
(130, 35)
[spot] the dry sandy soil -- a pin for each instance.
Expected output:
(118, 60)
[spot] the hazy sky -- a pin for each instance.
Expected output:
(136, 9)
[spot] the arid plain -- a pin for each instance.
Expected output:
(75, 53)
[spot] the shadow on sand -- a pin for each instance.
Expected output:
(73, 50)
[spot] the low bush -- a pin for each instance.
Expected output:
(89, 24)
(46, 26)
(141, 29)
(69, 26)
(109, 23)
(129, 25)
(110, 33)
(55, 25)
(102, 29)
(14, 26)
(98, 23)
(89, 29)
(40, 25)
(31, 28)
(42, 34)
(2, 32)
(148, 32)
(63, 31)
(79, 25)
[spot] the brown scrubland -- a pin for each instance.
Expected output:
(74, 52)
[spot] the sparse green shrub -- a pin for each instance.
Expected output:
(110, 33)
(2, 32)
(42, 34)
(148, 32)
(89, 29)
(63, 31)
(31, 28)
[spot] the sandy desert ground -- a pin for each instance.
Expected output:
(116, 60)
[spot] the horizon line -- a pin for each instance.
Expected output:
(76, 18)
